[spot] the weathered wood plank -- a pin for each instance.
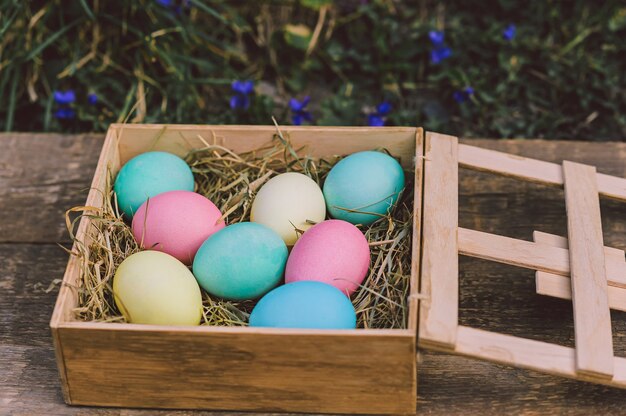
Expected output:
(440, 266)
(41, 176)
(592, 317)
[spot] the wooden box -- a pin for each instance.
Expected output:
(227, 368)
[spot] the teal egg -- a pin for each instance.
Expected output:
(148, 175)
(305, 304)
(369, 182)
(242, 261)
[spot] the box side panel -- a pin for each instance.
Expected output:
(417, 231)
(235, 371)
(58, 354)
(319, 141)
(67, 297)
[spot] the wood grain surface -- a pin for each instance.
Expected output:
(439, 315)
(492, 296)
(41, 176)
(592, 317)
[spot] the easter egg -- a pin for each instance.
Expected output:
(288, 202)
(176, 223)
(242, 261)
(148, 175)
(306, 305)
(334, 252)
(363, 187)
(151, 287)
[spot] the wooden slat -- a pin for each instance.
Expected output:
(613, 257)
(592, 318)
(532, 170)
(539, 255)
(549, 284)
(512, 251)
(534, 355)
(440, 267)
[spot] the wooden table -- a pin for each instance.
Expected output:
(41, 175)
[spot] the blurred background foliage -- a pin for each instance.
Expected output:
(493, 68)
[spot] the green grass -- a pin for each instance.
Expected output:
(563, 76)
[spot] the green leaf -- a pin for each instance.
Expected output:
(298, 36)
(618, 20)
(87, 9)
(43, 45)
(315, 4)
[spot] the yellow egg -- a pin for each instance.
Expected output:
(151, 287)
(288, 202)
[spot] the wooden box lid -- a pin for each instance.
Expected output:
(577, 267)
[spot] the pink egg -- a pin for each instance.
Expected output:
(333, 252)
(177, 223)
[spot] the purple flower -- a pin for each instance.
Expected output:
(65, 113)
(377, 119)
(92, 98)
(436, 37)
(509, 32)
(299, 114)
(297, 119)
(384, 108)
(173, 6)
(463, 95)
(439, 54)
(296, 105)
(242, 89)
(239, 101)
(64, 97)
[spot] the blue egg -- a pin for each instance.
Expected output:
(304, 304)
(242, 261)
(368, 182)
(148, 175)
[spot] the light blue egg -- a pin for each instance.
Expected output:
(304, 304)
(242, 261)
(148, 175)
(369, 182)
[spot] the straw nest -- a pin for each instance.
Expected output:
(230, 180)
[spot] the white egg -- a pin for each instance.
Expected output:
(287, 203)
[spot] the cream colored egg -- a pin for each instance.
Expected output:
(288, 202)
(151, 287)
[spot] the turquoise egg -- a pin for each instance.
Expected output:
(148, 175)
(242, 261)
(369, 182)
(305, 304)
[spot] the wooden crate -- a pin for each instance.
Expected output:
(253, 369)
(578, 267)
